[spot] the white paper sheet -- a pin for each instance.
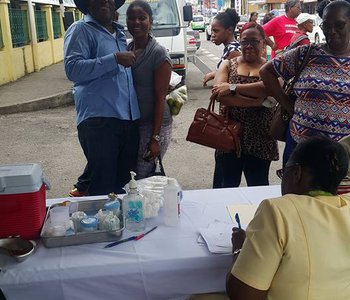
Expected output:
(218, 237)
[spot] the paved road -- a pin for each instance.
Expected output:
(49, 137)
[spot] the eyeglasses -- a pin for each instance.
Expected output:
(338, 26)
(245, 43)
(281, 172)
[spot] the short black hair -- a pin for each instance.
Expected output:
(325, 160)
(330, 4)
(228, 18)
(268, 17)
(144, 5)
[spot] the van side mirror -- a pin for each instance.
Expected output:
(187, 12)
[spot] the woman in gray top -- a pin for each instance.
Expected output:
(151, 73)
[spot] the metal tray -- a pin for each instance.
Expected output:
(90, 207)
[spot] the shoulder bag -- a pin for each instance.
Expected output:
(281, 118)
(215, 131)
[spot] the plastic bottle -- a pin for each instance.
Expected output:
(172, 197)
(133, 205)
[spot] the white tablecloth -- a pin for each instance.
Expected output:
(166, 264)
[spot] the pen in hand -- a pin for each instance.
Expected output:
(238, 221)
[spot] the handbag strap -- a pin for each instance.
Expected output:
(211, 107)
(302, 66)
(161, 168)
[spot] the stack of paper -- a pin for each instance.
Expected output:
(217, 236)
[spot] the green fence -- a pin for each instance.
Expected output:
(40, 24)
(56, 24)
(77, 16)
(19, 27)
(1, 40)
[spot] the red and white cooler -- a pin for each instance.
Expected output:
(22, 200)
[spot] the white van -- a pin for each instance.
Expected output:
(168, 28)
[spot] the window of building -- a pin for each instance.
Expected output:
(19, 27)
(40, 24)
(56, 24)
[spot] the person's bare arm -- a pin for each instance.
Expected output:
(270, 43)
(233, 54)
(207, 77)
(272, 84)
(247, 95)
(161, 84)
(238, 290)
(222, 73)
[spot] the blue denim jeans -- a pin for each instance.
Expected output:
(110, 146)
(218, 181)
(255, 170)
(83, 180)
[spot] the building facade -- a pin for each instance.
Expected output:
(31, 35)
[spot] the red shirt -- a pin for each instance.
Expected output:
(282, 29)
(296, 35)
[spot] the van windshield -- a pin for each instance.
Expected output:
(198, 19)
(164, 13)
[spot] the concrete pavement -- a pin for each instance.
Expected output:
(47, 88)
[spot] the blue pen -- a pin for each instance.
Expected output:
(238, 220)
(132, 238)
(120, 242)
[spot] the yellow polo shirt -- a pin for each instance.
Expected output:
(298, 247)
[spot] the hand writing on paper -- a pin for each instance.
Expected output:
(237, 238)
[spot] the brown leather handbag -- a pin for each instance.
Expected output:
(215, 131)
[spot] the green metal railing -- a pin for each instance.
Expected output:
(40, 24)
(56, 16)
(77, 16)
(1, 40)
(19, 27)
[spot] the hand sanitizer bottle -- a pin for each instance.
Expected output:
(133, 206)
(172, 197)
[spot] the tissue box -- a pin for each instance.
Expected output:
(22, 200)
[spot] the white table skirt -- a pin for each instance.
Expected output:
(166, 264)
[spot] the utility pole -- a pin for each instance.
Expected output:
(33, 35)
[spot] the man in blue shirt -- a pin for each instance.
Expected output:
(96, 60)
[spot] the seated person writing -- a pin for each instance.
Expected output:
(297, 245)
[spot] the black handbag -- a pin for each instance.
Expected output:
(281, 117)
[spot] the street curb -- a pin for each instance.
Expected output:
(53, 101)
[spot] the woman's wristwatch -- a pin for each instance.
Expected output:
(232, 88)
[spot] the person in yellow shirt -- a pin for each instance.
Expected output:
(298, 246)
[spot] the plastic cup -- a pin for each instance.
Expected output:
(59, 215)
